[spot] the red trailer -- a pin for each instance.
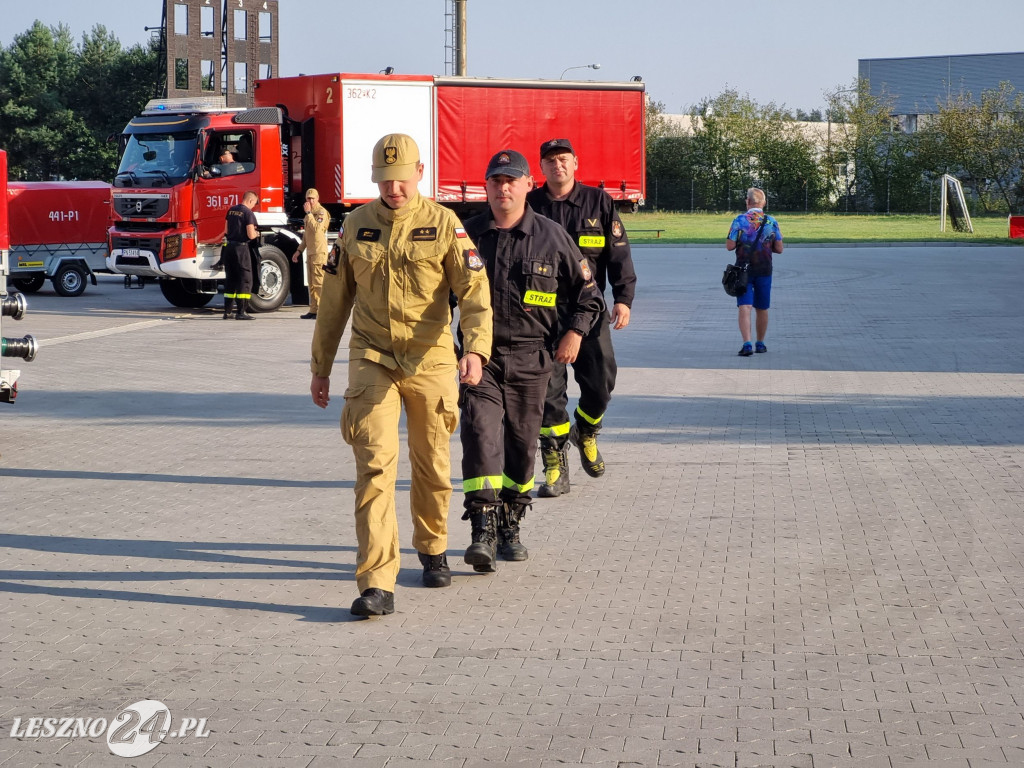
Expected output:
(604, 122)
(458, 123)
(58, 230)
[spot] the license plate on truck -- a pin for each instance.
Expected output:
(130, 252)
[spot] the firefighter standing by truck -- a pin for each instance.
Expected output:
(314, 242)
(532, 266)
(392, 270)
(589, 216)
(241, 229)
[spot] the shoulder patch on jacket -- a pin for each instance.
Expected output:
(473, 260)
(423, 234)
(616, 229)
(368, 235)
(585, 266)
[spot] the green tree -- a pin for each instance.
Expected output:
(668, 165)
(981, 141)
(719, 158)
(59, 102)
(785, 163)
(738, 143)
(114, 84)
(871, 163)
(36, 124)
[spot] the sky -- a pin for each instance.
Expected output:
(789, 52)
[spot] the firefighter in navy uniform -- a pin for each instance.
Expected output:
(533, 267)
(241, 230)
(588, 214)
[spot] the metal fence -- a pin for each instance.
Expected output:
(914, 196)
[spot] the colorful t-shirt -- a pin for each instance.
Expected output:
(744, 233)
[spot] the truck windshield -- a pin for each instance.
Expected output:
(156, 159)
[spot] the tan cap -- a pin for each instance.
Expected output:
(395, 158)
(311, 192)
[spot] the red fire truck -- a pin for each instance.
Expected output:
(171, 191)
(58, 230)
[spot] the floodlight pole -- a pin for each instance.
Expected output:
(460, 38)
(580, 66)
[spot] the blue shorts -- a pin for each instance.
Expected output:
(759, 293)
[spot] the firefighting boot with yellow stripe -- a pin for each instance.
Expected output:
(584, 436)
(482, 554)
(242, 311)
(509, 545)
(554, 452)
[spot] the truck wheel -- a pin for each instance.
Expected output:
(70, 280)
(185, 293)
(29, 284)
(274, 280)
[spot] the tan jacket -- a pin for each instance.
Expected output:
(314, 237)
(395, 271)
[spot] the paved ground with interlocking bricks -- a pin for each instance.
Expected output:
(805, 558)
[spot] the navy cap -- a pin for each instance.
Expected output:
(508, 162)
(555, 145)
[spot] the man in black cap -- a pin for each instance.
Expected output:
(533, 268)
(589, 216)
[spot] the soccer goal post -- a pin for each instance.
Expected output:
(953, 201)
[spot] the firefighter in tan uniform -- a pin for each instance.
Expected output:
(396, 262)
(314, 243)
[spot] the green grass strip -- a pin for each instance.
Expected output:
(712, 229)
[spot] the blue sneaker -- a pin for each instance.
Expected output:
(746, 350)
(760, 347)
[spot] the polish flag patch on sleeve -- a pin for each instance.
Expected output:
(460, 232)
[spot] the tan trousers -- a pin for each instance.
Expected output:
(369, 423)
(315, 278)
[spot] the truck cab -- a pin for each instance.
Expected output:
(174, 185)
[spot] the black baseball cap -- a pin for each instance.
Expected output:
(508, 162)
(555, 145)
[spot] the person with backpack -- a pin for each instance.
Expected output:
(755, 237)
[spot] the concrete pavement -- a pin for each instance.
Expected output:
(806, 558)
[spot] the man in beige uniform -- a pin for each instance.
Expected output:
(314, 242)
(398, 258)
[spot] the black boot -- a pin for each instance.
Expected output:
(374, 602)
(509, 545)
(436, 572)
(483, 552)
(554, 452)
(242, 313)
(228, 304)
(584, 436)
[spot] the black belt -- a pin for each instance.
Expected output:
(520, 346)
(238, 242)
